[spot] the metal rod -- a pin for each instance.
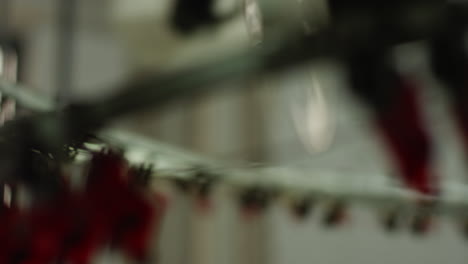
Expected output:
(173, 163)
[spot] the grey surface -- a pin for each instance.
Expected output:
(101, 63)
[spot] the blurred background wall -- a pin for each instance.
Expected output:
(248, 128)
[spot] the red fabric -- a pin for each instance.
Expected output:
(118, 212)
(89, 235)
(72, 229)
(10, 235)
(402, 128)
(48, 226)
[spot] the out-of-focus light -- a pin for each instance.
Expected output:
(7, 195)
(136, 156)
(82, 156)
(314, 121)
(253, 21)
(94, 146)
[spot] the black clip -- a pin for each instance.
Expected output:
(421, 223)
(335, 214)
(256, 199)
(203, 182)
(392, 219)
(464, 226)
(182, 185)
(142, 174)
(190, 15)
(423, 218)
(302, 206)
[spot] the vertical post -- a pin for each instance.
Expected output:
(66, 27)
(254, 122)
(4, 17)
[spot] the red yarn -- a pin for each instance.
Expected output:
(402, 128)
